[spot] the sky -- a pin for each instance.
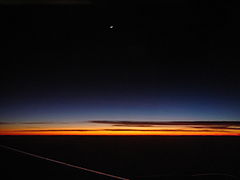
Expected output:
(168, 68)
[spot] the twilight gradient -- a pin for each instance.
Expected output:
(95, 114)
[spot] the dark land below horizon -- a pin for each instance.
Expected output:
(131, 157)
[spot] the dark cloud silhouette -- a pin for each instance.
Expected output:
(198, 124)
(194, 124)
(236, 127)
(161, 130)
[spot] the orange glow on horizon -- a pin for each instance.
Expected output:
(110, 129)
(119, 132)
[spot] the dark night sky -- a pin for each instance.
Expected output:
(170, 60)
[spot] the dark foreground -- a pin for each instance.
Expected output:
(133, 157)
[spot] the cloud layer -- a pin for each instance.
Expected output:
(195, 124)
(138, 127)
